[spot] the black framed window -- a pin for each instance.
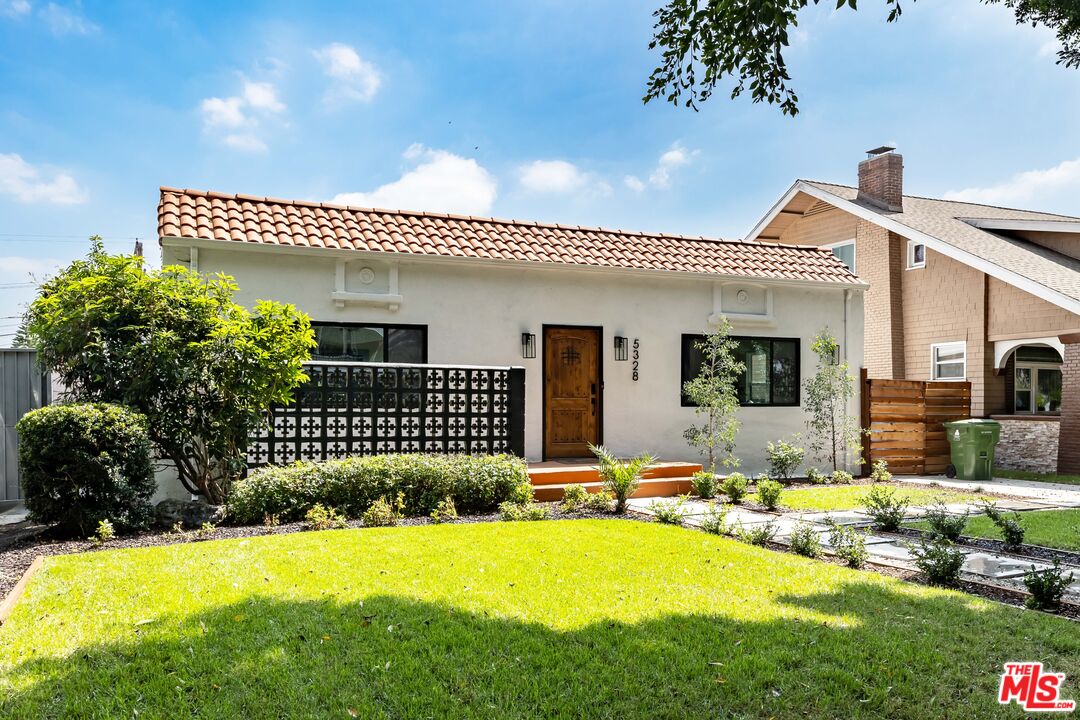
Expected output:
(771, 376)
(370, 342)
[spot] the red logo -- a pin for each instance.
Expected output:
(1033, 689)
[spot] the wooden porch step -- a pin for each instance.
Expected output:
(565, 474)
(649, 487)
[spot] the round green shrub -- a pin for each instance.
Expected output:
(474, 483)
(81, 464)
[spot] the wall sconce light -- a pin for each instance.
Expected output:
(528, 346)
(622, 348)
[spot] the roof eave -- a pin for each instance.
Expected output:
(175, 241)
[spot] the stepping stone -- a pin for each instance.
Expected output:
(1046, 504)
(1019, 505)
(840, 517)
(889, 551)
(696, 507)
(869, 540)
(998, 567)
(747, 517)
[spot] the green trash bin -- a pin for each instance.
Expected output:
(972, 444)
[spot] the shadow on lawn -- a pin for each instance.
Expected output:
(867, 651)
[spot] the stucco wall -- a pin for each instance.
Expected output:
(476, 313)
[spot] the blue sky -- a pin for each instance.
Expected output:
(515, 109)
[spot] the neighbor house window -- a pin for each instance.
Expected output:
(1037, 388)
(370, 343)
(770, 376)
(846, 252)
(948, 361)
(916, 255)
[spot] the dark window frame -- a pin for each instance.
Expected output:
(379, 326)
(686, 343)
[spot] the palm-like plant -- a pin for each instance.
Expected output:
(620, 478)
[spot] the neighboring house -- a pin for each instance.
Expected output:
(603, 320)
(958, 291)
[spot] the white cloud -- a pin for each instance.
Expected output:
(239, 116)
(552, 176)
(674, 157)
(262, 96)
(1024, 187)
(244, 142)
(224, 112)
(352, 77)
(29, 184)
(634, 183)
(14, 8)
(441, 182)
(66, 21)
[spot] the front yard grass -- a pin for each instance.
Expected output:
(1038, 477)
(827, 498)
(587, 618)
(1049, 528)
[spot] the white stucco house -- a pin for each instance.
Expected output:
(603, 321)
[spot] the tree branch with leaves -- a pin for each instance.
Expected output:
(714, 392)
(704, 41)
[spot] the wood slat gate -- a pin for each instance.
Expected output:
(905, 421)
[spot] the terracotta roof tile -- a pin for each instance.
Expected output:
(204, 215)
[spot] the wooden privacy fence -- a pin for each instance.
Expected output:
(23, 387)
(905, 421)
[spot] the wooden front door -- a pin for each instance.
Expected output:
(571, 391)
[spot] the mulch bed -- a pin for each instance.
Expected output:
(17, 556)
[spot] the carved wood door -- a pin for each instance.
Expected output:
(571, 391)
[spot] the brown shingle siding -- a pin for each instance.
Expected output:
(1069, 440)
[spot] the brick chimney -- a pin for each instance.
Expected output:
(881, 179)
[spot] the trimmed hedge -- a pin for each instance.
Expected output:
(475, 483)
(81, 464)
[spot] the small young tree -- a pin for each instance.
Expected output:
(833, 432)
(714, 394)
(173, 345)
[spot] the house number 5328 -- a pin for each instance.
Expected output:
(637, 356)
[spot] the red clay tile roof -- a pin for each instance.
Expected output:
(196, 214)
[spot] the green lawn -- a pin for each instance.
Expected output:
(1040, 477)
(1049, 528)
(588, 618)
(850, 497)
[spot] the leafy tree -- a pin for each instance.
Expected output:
(833, 433)
(704, 41)
(714, 393)
(173, 345)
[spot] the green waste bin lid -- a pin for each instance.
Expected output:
(970, 421)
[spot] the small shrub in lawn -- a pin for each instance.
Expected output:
(204, 531)
(943, 523)
(849, 544)
(1012, 532)
(620, 478)
(320, 517)
(671, 511)
(757, 534)
(704, 484)
(476, 484)
(1046, 587)
(81, 464)
(599, 501)
(734, 486)
(939, 560)
(574, 496)
(769, 492)
(805, 540)
(715, 519)
(445, 511)
(880, 473)
(842, 477)
(271, 520)
(784, 458)
(885, 508)
(383, 513)
(816, 477)
(104, 533)
(514, 512)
